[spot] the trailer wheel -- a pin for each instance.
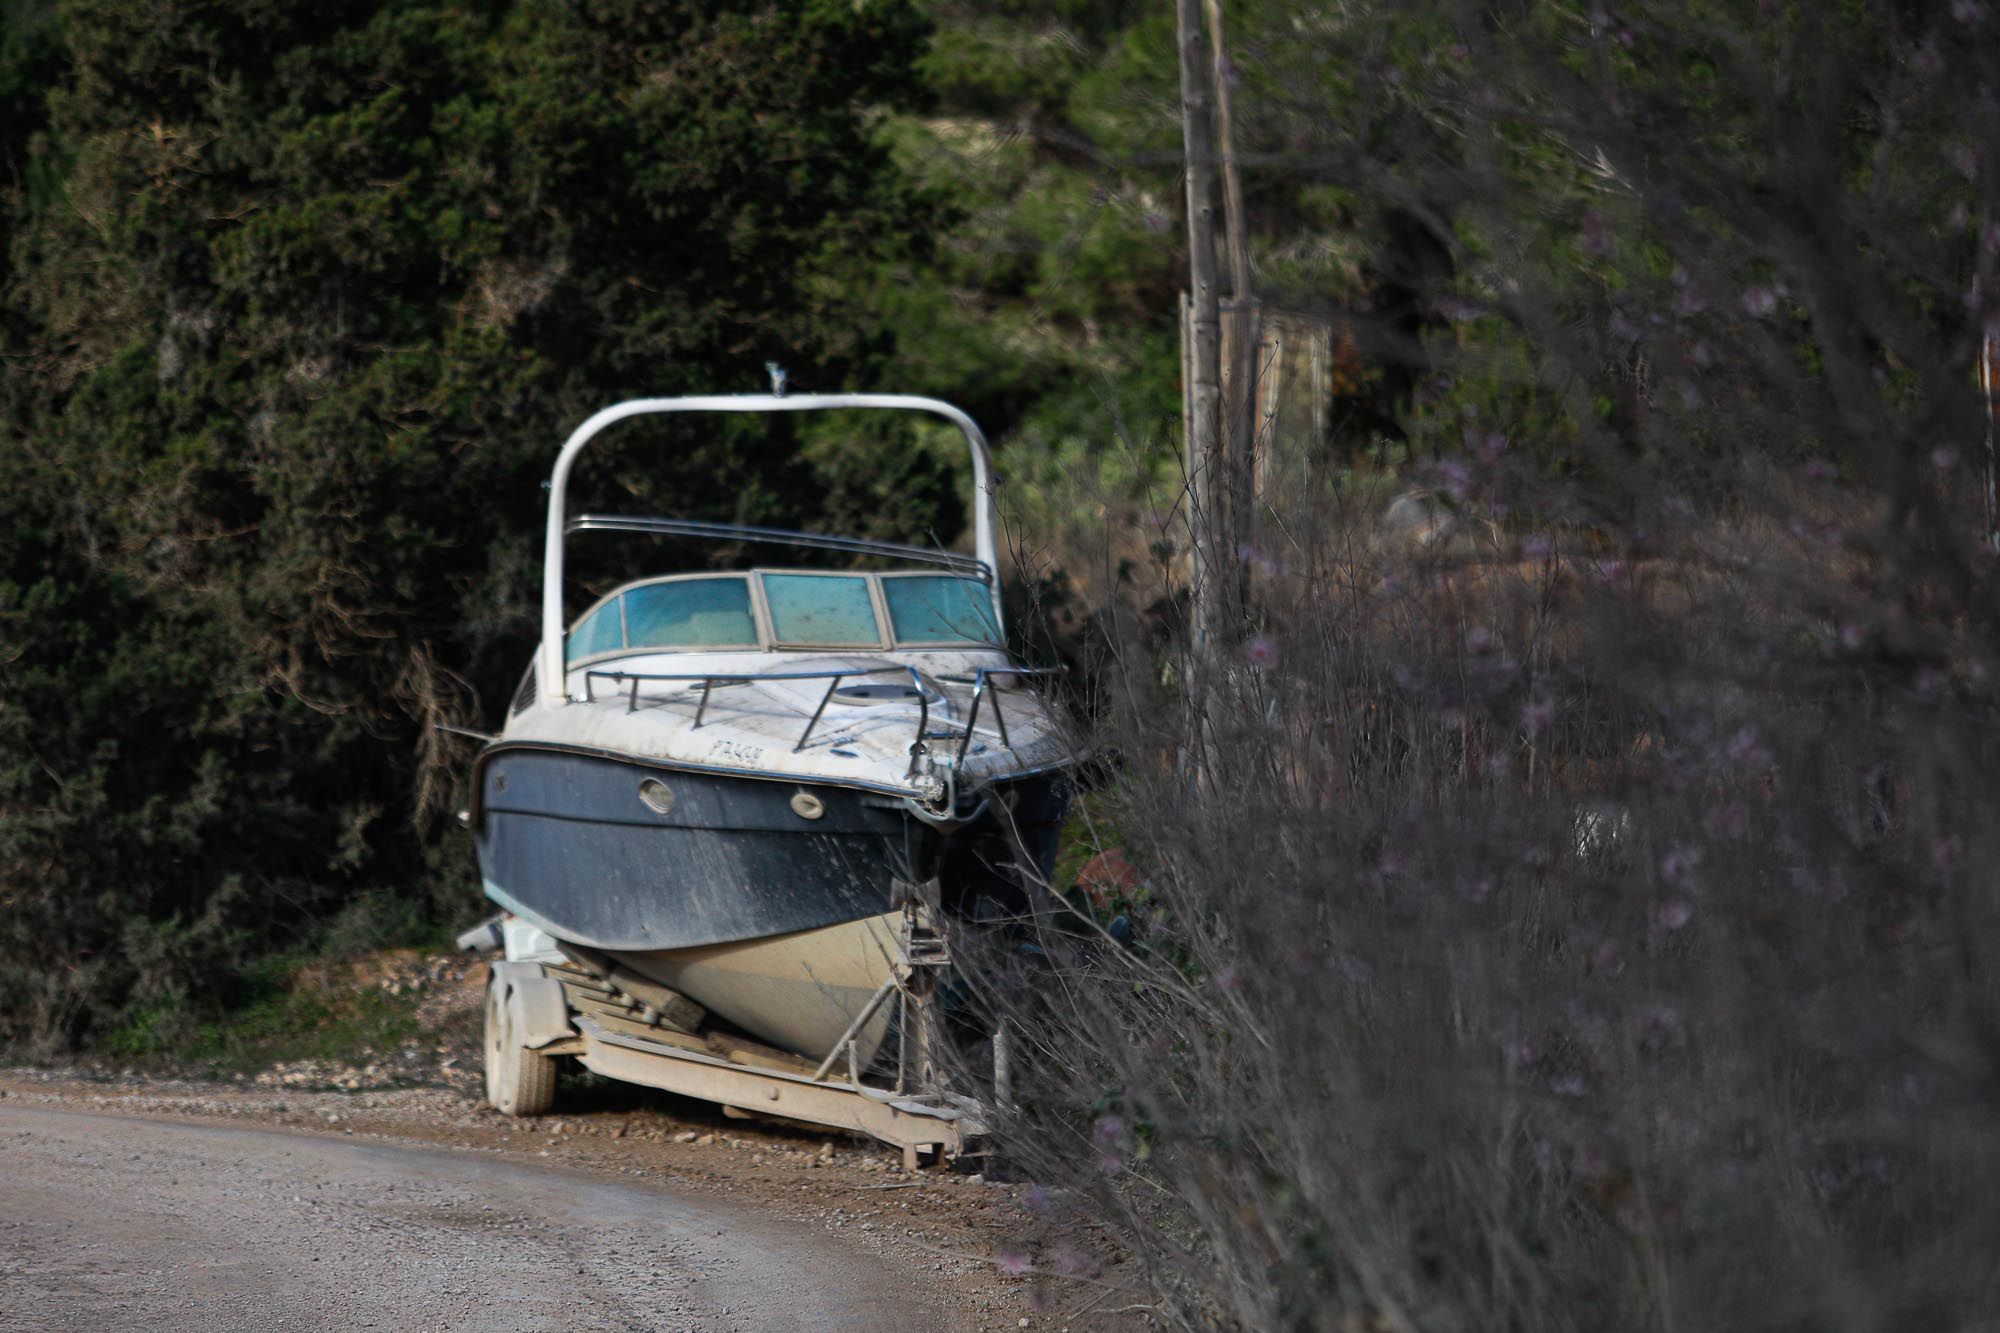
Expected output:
(518, 1081)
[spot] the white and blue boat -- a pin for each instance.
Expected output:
(766, 797)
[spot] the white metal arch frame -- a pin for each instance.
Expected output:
(550, 676)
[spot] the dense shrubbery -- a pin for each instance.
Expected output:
(1585, 918)
(299, 301)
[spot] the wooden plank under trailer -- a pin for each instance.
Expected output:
(921, 1129)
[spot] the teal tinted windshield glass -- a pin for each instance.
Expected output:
(691, 613)
(938, 608)
(599, 633)
(821, 610)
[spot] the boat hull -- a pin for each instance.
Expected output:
(798, 991)
(773, 903)
(570, 841)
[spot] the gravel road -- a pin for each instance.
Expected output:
(121, 1222)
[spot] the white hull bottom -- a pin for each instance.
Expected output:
(798, 991)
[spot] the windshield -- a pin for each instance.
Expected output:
(939, 609)
(822, 610)
(714, 612)
(681, 614)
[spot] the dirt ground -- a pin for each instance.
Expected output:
(957, 1249)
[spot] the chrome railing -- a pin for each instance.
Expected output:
(982, 680)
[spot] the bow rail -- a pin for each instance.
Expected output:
(983, 681)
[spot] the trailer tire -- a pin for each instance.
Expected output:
(519, 1081)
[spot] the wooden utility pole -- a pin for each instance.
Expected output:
(1242, 325)
(1208, 487)
(1989, 364)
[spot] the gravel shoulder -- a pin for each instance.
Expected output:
(165, 1203)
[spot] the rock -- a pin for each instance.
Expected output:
(686, 1136)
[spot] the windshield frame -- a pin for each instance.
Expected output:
(766, 629)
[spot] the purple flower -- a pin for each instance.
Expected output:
(1569, 1085)
(1744, 749)
(1661, 1020)
(1688, 301)
(1673, 914)
(1852, 636)
(1108, 1130)
(1067, 1261)
(1260, 652)
(1967, 11)
(1478, 640)
(1944, 458)
(1759, 302)
(1454, 478)
(1012, 1262)
(1536, 547)
(1946, 851)
(1730, 821)
(1478, 889)
(1678, 866)
(1596, 239)
(1820, 470)
(1538, 716)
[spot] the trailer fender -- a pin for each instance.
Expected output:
(535, 1004)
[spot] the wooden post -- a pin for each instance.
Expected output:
(1989, 363)
(1242, 333)
(1207, 483)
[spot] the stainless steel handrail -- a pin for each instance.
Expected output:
(978, 681)
(687, 527)
(709, 681)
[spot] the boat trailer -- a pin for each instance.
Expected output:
(624, 1027)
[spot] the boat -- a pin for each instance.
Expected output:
(751, 806)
